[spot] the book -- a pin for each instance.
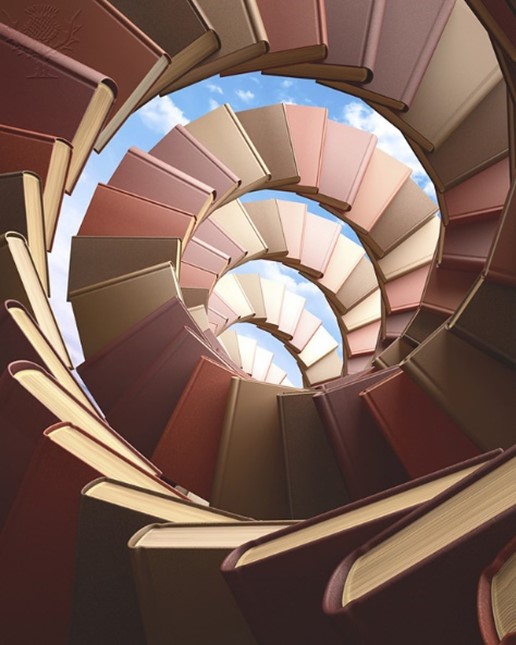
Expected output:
(362, 340)
(251, 284)
(307, 326)
(222, 133)
(320, 344)
(234, 220)
(292, 216)
(276, 148)
(157, 180)
(182, 30)
(250, 473)
(495, 588)
(247, 352)
(273, 295)
(106, 309)
(22, 211)
(475, 389)
(239, 27)
(396, 323)
(104, 603)
(316, 258)
(265, 216)
(314, 481)
(230, 291)
(425, 322)
(181, 150)
(290, 314)
(203, 255)
(46, 155)
(501, 264)
(498, 20)
(467, 242)
(187, 449)
(325, 369)
(446, 288)
(428, 551)
(73, 102)
(358, 285)
(212, 233)
(131, 214)
(305, 40)
(96, 259)
(367, 462)
(392, 356)
(406, 292)
(366, 311)
(191, 555)
(262, 362)
(195, 277)
(352, 57)
(20, 281)
(301, 558)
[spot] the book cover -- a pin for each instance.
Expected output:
(212, 233)
(501, 265)
(265, 216)
(467, 243)
(316, 257)
(292, 217)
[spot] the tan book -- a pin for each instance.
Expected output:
(316, 257)
(344, 258)
(266, 217)
(20, 281)
(394, 354)
(291, 310)
(239, 27)
(320, 344)
(228, 339)
(251, 284)
(262, 362)
(365, 312)
(327, 368)
(216, 322)
(360, 283)
(247, 350)
(273, 294)
(234, 220)
(222, 133)
(229, 289)
(276, 147)
(220, 306)
(292, 217)
(212, 233)
(307, 326)
(275, 375)
(105, 310)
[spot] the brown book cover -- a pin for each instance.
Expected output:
(314, 481)
(250, 473)
(275, 147)
(46, 155)
(266, 217)
(406, 292)
(187, 450)
(351, 51)
(430, 560)
(424, 323)
(96, 259)
(301, 558)
(367, 462)
(131, 214)
(501, 266)
(497, 17)
(446, 289)
(394, 353)
(467, 243)
(305, 40)
(475, 389)
(154, 179)
(242, 36)
(73, 100)
(181, 150)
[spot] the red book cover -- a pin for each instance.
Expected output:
(366, 460)
(14, 345)
(188, 448)
(423, 436)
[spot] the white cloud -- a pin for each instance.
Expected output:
(287, 83)
(245, 95)
(216, 89)
(213, 104)
(162, 114)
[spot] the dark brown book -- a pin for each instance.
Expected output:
(475, 389)
(131, 214)
(498, 18)
(429, 561)
(501, 266)
(446, 289)
(306, 39)
(73, 100)
(47, 156)
(394, 353)
(424, 323)
(351, 51)
(22, 211)
(104, 604)
(367, 462)
(20, 281)
(301, 558)
(96, 259)
(314, 481)
(188, 448)
(154, 179)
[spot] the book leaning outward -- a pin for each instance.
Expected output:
(190, 555)
(300, 559)
(431, 560)
(104, 603)
(21, 281)
(22, 211)
(73, 100)
(106, 309)
(46, 155)
(239, 27)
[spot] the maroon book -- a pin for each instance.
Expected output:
(280, 592)
(428, 598)
(467, 242)
(502, 262)
(446, 289)
(14, 345)
(366, 460)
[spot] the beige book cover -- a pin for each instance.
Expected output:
(291, 310)
(362, 340)
(275, 375)
(222, 133)
(268, 129)
(265, 216)
(307, 326)
(235, 222)
(273, 294)
(252, 287)
(414, 252)
(229, 290)
(344, 258)
(292, 216)
(229, 341)
(365, 312)
(247, 350)
(320, 344)
(327, 368)
(315, 257)
(262, 362)
(199, 314)
(360, 283)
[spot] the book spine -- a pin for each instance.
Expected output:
(331, 425)
(145, 590)
(248, 140)
(256, 22)
(122, 20)
(321, 18)
(374, 30)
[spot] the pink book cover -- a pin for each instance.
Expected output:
(467, 242)
(155, 179)
(484, 192)
(292, 216)
(383, 178)
(358, 364)
(132, 215)
(205, 256)
(307, 126)
(217, 304)
(363, 340)
(406, 292)
(315, 257)
(395, 323)
(345, 157)
(217, 321)
(196, 278)
(306, 327)
(211, 233)
(182, 150)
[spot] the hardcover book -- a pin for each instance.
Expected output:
(266, 217)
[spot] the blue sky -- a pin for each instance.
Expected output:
(145, 128)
